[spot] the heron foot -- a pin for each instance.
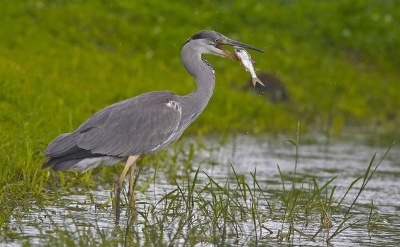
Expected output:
(131, 199)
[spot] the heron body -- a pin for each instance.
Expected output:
(104, 138)
(142, 125)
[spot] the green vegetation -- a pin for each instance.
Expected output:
(61, 61)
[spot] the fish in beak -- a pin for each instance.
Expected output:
(231, 42)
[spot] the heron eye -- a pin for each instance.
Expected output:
(217, 40)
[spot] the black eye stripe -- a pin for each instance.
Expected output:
(212, 36)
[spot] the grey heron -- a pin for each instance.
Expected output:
(142, 125)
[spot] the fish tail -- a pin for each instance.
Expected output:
(256, 80)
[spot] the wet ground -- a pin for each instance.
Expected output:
(321, 160)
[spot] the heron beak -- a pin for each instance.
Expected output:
(231, 42)
(240, 44)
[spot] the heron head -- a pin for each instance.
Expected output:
(212, 42)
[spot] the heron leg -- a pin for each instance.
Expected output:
(131, 196)
(118, 186)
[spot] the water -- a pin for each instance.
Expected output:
(78, 213)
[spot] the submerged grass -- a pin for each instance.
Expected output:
(300, 203)
(199, 209)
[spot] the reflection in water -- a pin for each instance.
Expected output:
(345, 159)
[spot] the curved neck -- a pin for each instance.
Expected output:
(202, 72)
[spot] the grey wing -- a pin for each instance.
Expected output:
(64, 144)
(134, 128)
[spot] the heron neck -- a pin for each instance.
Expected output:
(203, 73)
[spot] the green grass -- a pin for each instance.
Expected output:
(61, 61)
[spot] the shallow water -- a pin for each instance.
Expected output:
(347, 159)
